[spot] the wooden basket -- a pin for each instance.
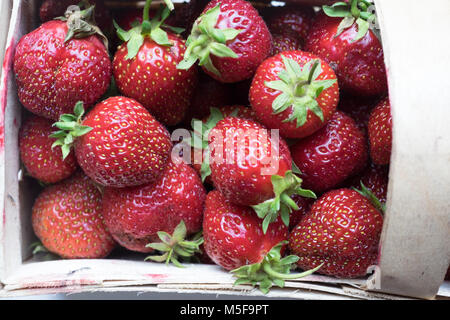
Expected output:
(415, 242)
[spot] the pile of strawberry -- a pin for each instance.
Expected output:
(287, 166)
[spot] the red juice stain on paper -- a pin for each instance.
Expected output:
(4, 91)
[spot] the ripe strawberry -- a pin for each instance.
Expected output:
(230, 40)
(251, 167)
(55, 68)
(135, 215)
(297, 19)
(200, 151)
(342, 231)
(51, 9)
(40, 161)
(145, 69)
(234, 240)
(332, 154)
(67, 218)
(380, 133)
(286, 41)
(117, 144)
(375, 178)
(341, 36)
(295, 92)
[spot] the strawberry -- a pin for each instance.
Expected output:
(251, 167)
(144, 68)
(51, 9)
(380, 133)
(290, 18)
(342, 231)
(229, 39)
(341, 36)
(295, 92)
(286, 41)
(55, 66)
(67, 218)
(117, 144)
(200, 151)
(233, 239)
(40, 161)
(135, 215)
(375, 178)
(332, 154)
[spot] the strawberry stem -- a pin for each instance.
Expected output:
(355, 11)
(299, 89)
(206, 40)
(365, 192)
(175, 246)
(70, 128)
(282, 204)
(272, 270)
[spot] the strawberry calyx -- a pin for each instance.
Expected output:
(81, 23)
(205, 39)
(70, 128)
(365, 192)
(359, 11)
(272, 270)
(200, 136)
(175, 246)
(151, 28)
(299, 89)
(282, 204)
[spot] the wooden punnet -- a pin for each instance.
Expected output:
(415, 243)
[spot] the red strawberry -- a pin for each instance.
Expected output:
(341, 36)
(51, 9)
(230, 40)
(67, 218)
(53, 73)
(285, 42)
(145, 69)
(209, 93)
(295, 92)
(233, 238)
(375, 178)
(297, 19)
(358, 108)
(42, 162)
(331, 155)
(233, 235)
(380, 133)
(251, 167)
(135, 215)
(342, 231)
(117, 144)
(216, 114)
